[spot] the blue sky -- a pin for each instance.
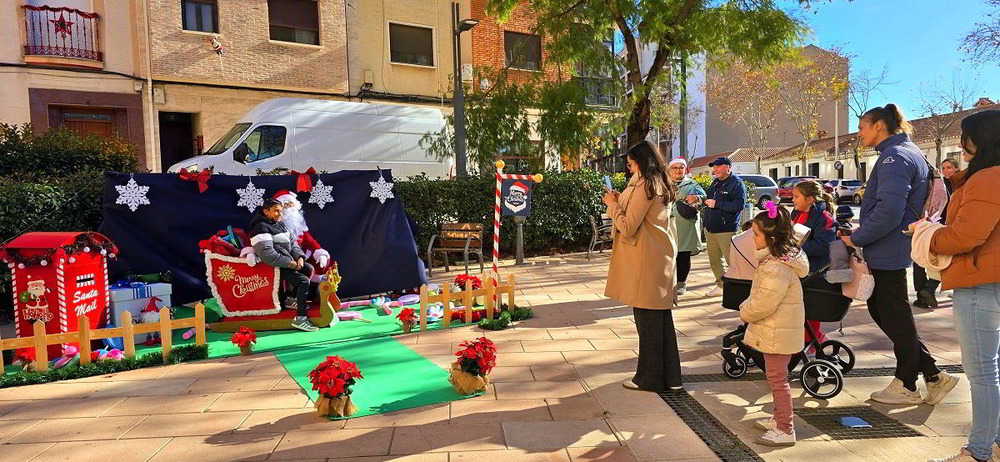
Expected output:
(917, 39)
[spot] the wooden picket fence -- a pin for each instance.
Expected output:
(41, 340)
(467, 298)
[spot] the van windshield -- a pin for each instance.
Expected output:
(229, 139)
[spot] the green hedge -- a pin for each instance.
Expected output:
(53, 182)
(560, 206)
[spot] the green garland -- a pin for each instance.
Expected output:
(177, 355)
(505, 318)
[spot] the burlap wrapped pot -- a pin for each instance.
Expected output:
(336, 407)
(466, 383)
(246, 350)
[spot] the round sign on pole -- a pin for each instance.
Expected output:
(838, 165)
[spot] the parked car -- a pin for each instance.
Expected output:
(827, 185)
(786, 184)
(296, 133)
(844, 189)
(860, 193)
(765, 188)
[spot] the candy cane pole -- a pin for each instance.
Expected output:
(537, 178)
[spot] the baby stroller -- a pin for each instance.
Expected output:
(822, 377)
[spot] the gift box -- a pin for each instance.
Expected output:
(133, 297)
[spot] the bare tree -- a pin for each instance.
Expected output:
(938, 101)
(982, 44)
(860, 88)
(746, 96)
(808, 83)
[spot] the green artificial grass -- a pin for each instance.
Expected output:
(395, 377)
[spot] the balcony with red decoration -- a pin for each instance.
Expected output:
(62, 36)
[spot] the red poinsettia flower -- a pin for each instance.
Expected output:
(334, 376)
(478, 357)
(461, 279)
(26, 355)
(244, 336)
(407, 315)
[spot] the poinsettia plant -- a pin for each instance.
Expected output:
(407, 316)
(25, 355)
(244, 337)
(334, 377)
(462, 278)
(477, 357)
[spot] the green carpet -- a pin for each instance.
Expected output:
(220, 344)
(395, 377)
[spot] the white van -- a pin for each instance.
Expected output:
(296, 134)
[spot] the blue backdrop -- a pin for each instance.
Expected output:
(372, 242)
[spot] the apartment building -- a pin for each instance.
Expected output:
(75, 63)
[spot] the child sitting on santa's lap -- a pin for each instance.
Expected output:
(273, 246)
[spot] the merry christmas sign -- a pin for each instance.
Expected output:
(241, 289)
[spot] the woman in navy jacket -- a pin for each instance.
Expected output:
(812, 209)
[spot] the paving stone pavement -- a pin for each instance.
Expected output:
(556, 396)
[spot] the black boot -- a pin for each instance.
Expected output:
(928, 298)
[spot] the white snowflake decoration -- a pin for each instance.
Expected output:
(132, 194)
(251, 196)
(321, 194)
(381, 189)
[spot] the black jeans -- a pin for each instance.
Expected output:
(683, 266)
(889, 307)
(659, 360)
(920, 280)
(299, 280)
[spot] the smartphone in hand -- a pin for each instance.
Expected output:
(607, 183)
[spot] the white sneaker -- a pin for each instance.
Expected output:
(766, 424)
(716, 292)
(963, 456)
(896, 393)
(936, 391)
(777, 438)
(630, 385)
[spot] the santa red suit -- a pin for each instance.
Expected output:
(295, 222)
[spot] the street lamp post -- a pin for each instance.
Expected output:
(459, 100)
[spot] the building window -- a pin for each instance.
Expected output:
(262, 143)
(200, 15)
(522, 51)
(294, 20)
(773, 173)
(955, 157)
(411, 45)
(864, 171)
(797, 171)
(814, 169)
(788, 171)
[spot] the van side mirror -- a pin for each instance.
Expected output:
(242, 153)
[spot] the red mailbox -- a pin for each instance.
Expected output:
(59, 278)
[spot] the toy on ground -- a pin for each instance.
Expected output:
(149, 315)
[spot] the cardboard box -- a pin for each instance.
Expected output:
(134, 298)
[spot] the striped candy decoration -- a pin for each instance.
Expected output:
(61, 282)
(537, 178)
(17, 312)
(107, 294)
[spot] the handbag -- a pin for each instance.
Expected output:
(861, 287)
(686, 211)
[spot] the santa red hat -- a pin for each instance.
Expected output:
(285, 196)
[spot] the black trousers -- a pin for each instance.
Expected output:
(889, 307)
(920, 280)
(683, 266)
(299, 281)
(659, 360)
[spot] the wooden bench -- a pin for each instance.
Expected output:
(456, 237)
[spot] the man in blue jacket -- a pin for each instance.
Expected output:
(894, 197)
(725, 200)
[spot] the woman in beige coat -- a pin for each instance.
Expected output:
(641, 273)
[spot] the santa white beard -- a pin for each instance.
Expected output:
(294, 221)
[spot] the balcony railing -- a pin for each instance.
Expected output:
(61, 32)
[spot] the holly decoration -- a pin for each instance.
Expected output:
(84, 242)
(334, 377)
(244, 336)
(478, 357)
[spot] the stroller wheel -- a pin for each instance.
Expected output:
(822, 379)
(734, 367)
(837, 353)
(748, 359)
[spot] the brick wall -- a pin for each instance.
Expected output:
(250, 56)
(488, 40)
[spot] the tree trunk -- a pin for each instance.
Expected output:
(937, 144)
(757, 159)
(638, 123)
(857, 165)
(804, 158)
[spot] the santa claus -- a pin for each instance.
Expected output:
(295, 222)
